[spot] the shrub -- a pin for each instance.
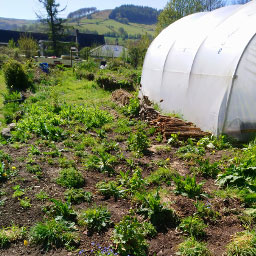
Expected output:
(191, 247)
(77, 196)
(54, 233)
(70, 178)
(130, 237)
(95, 219)
(193, 226)
(243, 243)
(11, 234)
(15, 77)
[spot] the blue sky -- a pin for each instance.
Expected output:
(25, 9)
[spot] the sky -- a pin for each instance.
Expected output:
(26, 9)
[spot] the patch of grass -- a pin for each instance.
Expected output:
(10, 235)
(71, 178)
(160, 176)
(191, 247)
(243, 243)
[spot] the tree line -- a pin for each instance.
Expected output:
(136, 14)
(81, 13)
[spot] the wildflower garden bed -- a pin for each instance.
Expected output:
(83, 176)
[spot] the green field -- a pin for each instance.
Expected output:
(103, 26)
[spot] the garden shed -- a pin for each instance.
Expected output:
(203, 67)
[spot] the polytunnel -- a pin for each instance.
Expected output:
(203, 67)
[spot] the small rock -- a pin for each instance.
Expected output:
(6, 133)
(12, 126)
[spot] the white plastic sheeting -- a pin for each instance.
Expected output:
(204, 67)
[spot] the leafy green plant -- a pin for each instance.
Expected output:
(190, 149)
(25, 202)
(111, 188)
(18, 191)
(60, 209)
(102, 162)
(54, 233)
(138, 142)
(191, 247)
(174, 140)
(207, 169)
(152, 208)
(42, 195)
(71, 178)
(206, 212)
(77, 196)
(95, 219)
(10, 235)
(130, 237)
(243, 243)
(193, 226)
(135, 183)
(212, 142)
(133, 108)
(187, 186)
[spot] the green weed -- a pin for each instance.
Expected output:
(152, 208)
(191, 247)
(187, 186)
(130, 237)
(160, 176)
(95, 219)
(193, 226)
(71, 178)
(243, 243)
(111, 188)
(54, 233)
(10, 235)
(77, 196)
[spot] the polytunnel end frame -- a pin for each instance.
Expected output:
(220, 131)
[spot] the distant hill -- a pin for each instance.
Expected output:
(135, 14)
(15, 24)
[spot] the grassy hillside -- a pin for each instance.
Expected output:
(99, 23)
